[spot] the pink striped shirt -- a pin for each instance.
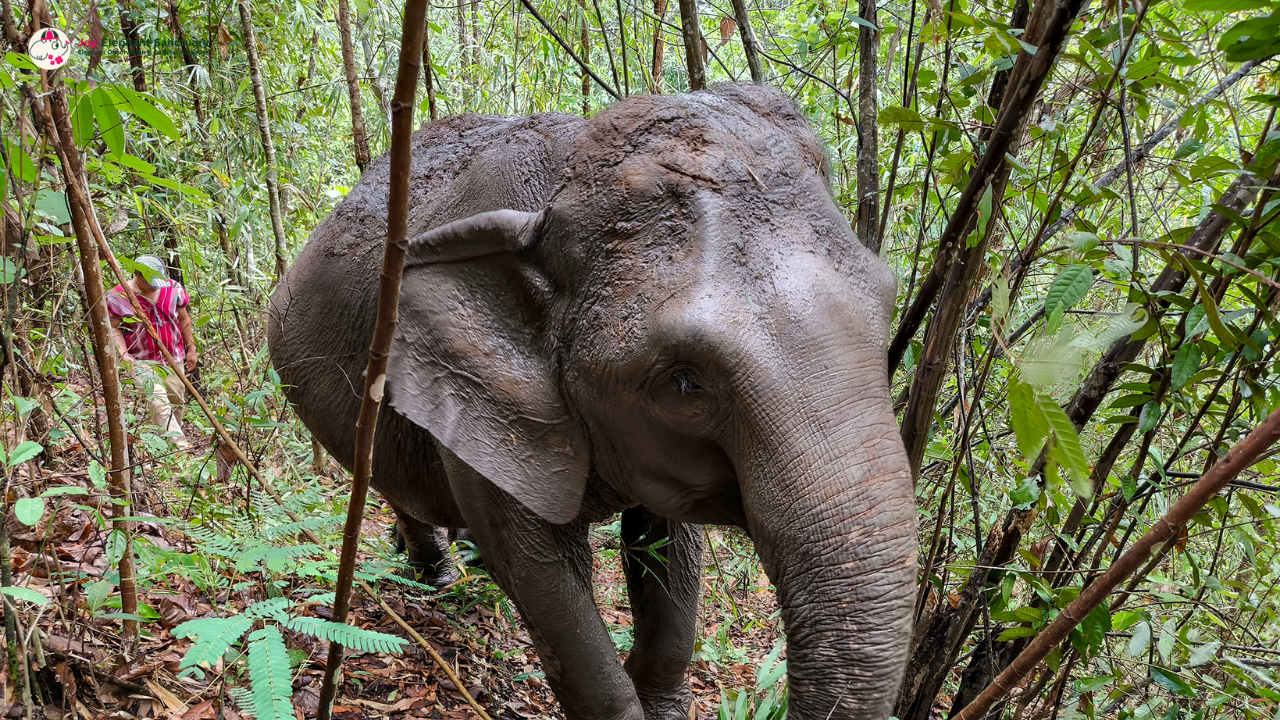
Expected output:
(163, 314)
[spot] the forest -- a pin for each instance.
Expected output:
(1075, 200)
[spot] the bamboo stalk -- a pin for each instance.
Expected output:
(264, 129)
(403, 106)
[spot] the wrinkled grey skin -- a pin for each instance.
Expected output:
(670, 319)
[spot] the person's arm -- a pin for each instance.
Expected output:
(117, 336)
(188, 338)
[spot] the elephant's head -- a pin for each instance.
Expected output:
(691, 319)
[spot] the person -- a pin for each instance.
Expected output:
(166, 304)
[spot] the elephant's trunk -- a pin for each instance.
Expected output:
(828, 497)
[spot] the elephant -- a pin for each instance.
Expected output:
(659, 311)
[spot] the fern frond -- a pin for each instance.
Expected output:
(393, 577)
(269, 675)
(346, 635)
(324, 598)
(268, 608)
(273, 557)
(213, 637)
(244, 701)
(315, 524)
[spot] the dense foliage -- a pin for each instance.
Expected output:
(1113, 328)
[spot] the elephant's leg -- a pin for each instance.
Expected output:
(428, 550)
(663, 562)
(546, 571)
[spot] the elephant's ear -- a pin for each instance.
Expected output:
(472, 364)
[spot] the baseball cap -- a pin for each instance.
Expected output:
(155, 265)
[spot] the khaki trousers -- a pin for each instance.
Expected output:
(164, 394)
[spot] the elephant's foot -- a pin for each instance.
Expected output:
(428, 575)
(427, 546)
(674, 706)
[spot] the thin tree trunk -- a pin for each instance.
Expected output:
(692, 34)
(188, 60)
(133, 46)
(464, 73)
(622, 49)
(384, 326)
(427, 71)
(1047, 30)
(371, 66)
(305, 81)
(586, 56)
(749, 45)
(58, 127)
(264, 128)
(867, 224)
(359, 136)
(475, 37)
(12, 35)
(659, 47)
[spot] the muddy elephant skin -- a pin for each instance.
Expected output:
(659, 311)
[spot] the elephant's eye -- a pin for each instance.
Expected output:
(685, 382)
(685, 399)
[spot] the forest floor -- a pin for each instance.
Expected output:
(208, 548)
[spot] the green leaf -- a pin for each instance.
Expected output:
(96, 594)
(23, 167)
(1149, 417)
(1168, 680)
(53, 204)
(29, 510)
(24, 405)
(213, 637)
(1185, 364)
(348, 636)
(908, 119)
(1204, 654)
(1029, 422)
(24, 452)
(27, 594)
(1083, 241)
(110, 123)
(1252, 39)
(1128, 486)
(148, 113)
(1066, 447)
(64, 490)
(1096, 625)
(1014, 633)
(765, 674)
(1225, 336)
(97, 474)
(1168, 638)
(134, 163)
(1140, 640)
(1000, 298)
(1025, 494)
(1124, 620)
(82, 121)
(269, 675)
(1068, 288)
(1187, 148)
(1196, 6)
(984, 217)
(268, 608)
